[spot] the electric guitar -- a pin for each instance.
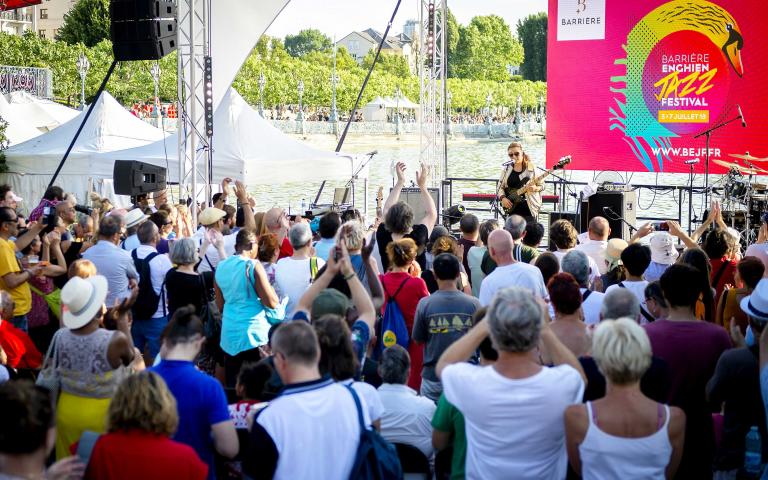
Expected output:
(517, 196)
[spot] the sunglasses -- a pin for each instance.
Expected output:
(515, 154)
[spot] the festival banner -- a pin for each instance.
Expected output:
(631, 82)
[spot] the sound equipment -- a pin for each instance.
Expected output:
(613, 205)
(136, 178)
(412, 196)
(555, 216)
(142, 29)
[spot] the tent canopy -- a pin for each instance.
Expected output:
(18, 130)
(44, 115)
(247, 146)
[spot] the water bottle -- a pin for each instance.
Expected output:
(303, 206)
(752, 453)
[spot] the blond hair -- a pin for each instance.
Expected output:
(354, 233)
(622, 350)
(143, 402)
(82, 268)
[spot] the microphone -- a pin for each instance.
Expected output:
(508, 163)
(692, 162)
(741, 116)
(370, 154)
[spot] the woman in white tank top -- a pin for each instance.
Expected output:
(625, 434)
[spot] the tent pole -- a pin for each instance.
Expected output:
(85, 120)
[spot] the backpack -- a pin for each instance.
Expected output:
(147, 301)
(393, 328)
(375, 457)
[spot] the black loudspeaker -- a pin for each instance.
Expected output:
(142, 29)
(137, 178)
(555, 216)
(412, 196)
(613, 206)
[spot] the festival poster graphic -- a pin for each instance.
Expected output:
(631, 82)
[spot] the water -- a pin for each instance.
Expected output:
(478, 159)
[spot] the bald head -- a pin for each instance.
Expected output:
(599, 229)
(500, 246)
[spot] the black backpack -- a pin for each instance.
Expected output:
(147, 301)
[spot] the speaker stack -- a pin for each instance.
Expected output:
(137, 178)
(613, 206)
(143, 29)
(412, 196)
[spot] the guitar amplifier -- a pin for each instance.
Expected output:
(412, 196)
(613, 206)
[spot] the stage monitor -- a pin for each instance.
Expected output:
(630, 84)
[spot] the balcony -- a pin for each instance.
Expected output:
(16, 17)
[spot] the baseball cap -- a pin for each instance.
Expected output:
(329, 301)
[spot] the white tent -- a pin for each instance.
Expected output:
(109, 128)
(375, 110)
(18, 130)
(44, 115)
(245, 146)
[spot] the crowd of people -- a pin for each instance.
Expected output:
(260, 345)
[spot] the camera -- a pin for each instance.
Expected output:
(84, 209)
(661, 226)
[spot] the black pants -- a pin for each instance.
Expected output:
(232, 364)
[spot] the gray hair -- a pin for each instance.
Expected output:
(620, 303)
(514, 320)
(354, 234)
(515, 225)
(394, 365)
(576, 263)
(184, 252)
(300, 235)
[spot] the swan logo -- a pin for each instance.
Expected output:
(580, 20)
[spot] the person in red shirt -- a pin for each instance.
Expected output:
(717, 246)
(21, 351)
(141, 419)
(407, 288)
(276, 222)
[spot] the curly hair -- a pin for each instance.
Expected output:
(402, 252)
(563, 234)
(143, 402)
(445, 244)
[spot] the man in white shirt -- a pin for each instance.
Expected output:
(513, 409)
(294, 275)
(577, 263)
(407, 416)
(312, 429)
(509, 272)
(147, 331)
(596, 242)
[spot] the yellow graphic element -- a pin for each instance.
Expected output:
(671, 84)
(389, 338)
(683, 116)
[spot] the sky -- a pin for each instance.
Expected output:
(340, 17)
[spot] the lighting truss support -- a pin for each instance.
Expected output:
(432, 58)
(195, 153)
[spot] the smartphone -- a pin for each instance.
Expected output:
(661, 226)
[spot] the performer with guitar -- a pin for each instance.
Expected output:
(518, 173)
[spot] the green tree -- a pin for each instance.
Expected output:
(86, 23)
(532, 32)
(3, 144)
(485, 48)
(306, 41)
(452, 41)
(390, 63)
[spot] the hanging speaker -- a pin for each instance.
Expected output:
(142, 29)
(136, 178)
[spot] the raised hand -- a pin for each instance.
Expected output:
(422, 175)
(400, 170)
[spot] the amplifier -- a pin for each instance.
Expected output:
(412, 196)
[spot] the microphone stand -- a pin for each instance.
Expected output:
(690, 199)
(708, 134)
(616, 216)
(563, 182)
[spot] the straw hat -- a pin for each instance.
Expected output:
(81, 300)
(756, 305)
(134, 217)
(210, 215)
(613, 252)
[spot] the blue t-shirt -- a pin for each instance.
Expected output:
(323, 248)
(200, 402)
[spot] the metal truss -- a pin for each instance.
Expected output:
(194, 146)
(432, 58)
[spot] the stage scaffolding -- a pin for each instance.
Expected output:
(195, 153)
(432, 55)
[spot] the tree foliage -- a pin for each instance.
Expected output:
(87, 23)
(390, 63)
(485, 48)
(532, 32)
(452, 41)
(307, 41)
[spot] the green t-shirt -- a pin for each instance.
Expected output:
(449, 419)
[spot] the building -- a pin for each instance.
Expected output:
(18, 21)
(358, 44)
(50, 16)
